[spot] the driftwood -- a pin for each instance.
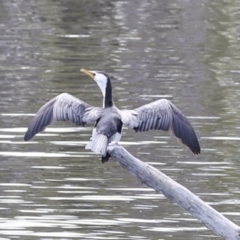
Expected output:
(157, 180)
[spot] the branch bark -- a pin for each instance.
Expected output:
(157, 180)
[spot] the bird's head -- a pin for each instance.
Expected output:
(102, 79)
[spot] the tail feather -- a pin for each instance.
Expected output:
(98, 144)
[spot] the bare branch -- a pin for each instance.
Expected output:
(157, 180)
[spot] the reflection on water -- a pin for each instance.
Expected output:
(185, 51)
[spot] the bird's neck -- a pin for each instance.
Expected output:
(107, 95)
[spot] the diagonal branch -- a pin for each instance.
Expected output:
(157, 180)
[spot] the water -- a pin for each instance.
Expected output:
(185, 51)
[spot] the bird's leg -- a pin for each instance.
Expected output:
(106, 158)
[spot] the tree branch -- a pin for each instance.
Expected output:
(157, 180)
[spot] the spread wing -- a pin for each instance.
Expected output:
(163, 115)
(63, 107)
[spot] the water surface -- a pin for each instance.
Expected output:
(185, 51)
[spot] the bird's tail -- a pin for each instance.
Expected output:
(98, 144)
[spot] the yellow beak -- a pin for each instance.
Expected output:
(87, 73)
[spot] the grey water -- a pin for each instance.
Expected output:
(185, 51)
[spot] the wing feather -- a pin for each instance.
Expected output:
(154, 115)
(92, 114)
(184, 131)
(163, 115)
(63, 107)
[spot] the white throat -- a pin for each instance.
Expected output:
(101, 81)
(103, 90)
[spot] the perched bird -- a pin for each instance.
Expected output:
(109, 120)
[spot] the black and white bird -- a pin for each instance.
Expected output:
(109, 120)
